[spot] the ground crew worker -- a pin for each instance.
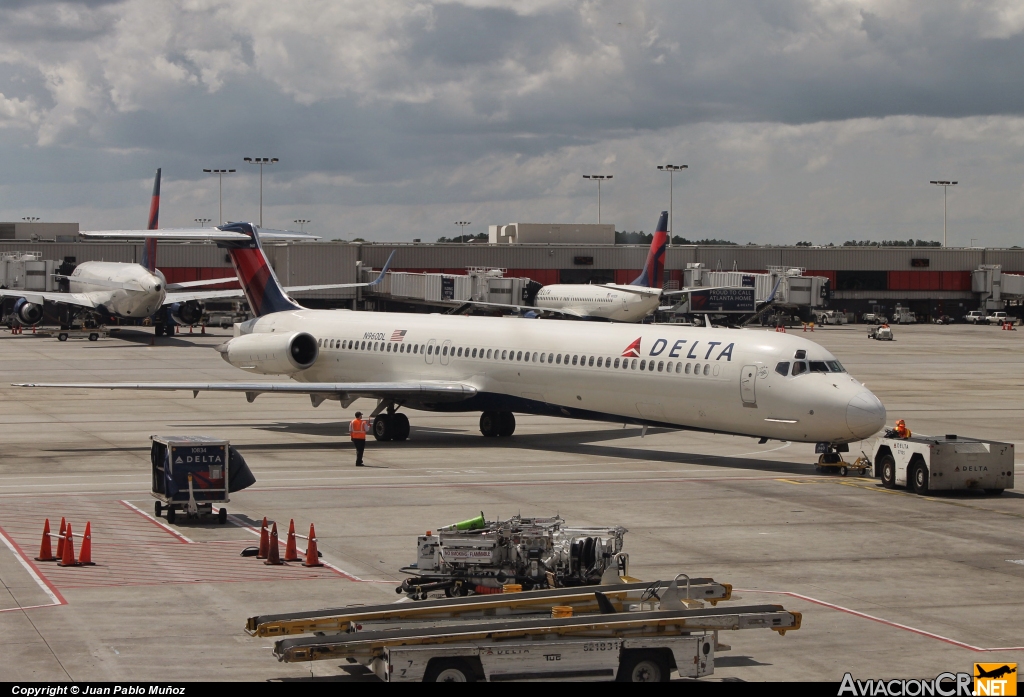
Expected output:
(901, 429)
(357, 429)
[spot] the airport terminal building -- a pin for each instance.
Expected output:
(930, 281)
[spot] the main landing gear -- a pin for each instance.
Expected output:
(394, 426)
(497, 424)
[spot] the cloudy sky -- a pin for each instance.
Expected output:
(818, 120)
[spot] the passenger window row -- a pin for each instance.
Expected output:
(677, 367)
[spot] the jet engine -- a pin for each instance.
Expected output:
(28, 313)
(270, 353)
(187, 313)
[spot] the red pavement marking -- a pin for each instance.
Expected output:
(888, 623)
(154, 521)
(34, 571)
(130, 550)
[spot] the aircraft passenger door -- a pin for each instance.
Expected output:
(445, 350)
(748, 376)
(429, 353)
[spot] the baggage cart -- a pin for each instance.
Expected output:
(191, 473)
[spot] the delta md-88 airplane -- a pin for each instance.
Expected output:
(745, 382)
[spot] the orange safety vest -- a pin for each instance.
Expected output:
(357, 429)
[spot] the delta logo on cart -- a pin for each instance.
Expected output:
(995, 679)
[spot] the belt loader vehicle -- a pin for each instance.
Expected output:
(932, 463)
(633, 632)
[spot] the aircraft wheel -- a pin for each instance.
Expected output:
(489, 424)
(401, 427)
(383, 427)
(506, 424)
(888, 472)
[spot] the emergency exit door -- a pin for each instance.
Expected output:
(748, 377)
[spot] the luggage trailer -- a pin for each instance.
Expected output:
(634, 632)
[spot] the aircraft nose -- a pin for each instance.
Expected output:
(865, 414)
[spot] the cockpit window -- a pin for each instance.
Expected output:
(799, 367)
(782, 368)
(801, 354)
(836, 367)
(819, 367)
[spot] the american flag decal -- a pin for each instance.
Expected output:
(399, 334)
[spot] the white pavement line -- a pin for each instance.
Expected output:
(51, 592)
(153, 520)
(888, 623)
(336, 569)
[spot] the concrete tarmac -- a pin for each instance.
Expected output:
(890, 584)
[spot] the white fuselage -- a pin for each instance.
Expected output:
(124, 290)
(600, 301)
(722, 380)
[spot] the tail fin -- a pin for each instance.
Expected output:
(653, 275)
(257, 278)
(149, 248)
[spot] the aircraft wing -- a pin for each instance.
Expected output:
(211, 234)
(37, 297)
(207, 282)
(695, 289)
(186, 296)
(519, 308)
(636, 290)
(398, 391)
(237, 292)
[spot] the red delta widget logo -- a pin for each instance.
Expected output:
(693, 350)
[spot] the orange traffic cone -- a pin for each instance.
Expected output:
(312, 554)
(274, 558)
(85, 555)
(60, 539)
(264, 541)
(45, 550)
(68, 557)
(290, 553)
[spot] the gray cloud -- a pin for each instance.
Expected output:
(386, 113)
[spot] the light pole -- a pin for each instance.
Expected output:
(261, 161)
(598, 178)
(220, 192)
(671, 169)
(201, 222)
(462, 228)
(302, 223)
(31, 219)
(945, 185)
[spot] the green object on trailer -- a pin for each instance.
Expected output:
(477, 523)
